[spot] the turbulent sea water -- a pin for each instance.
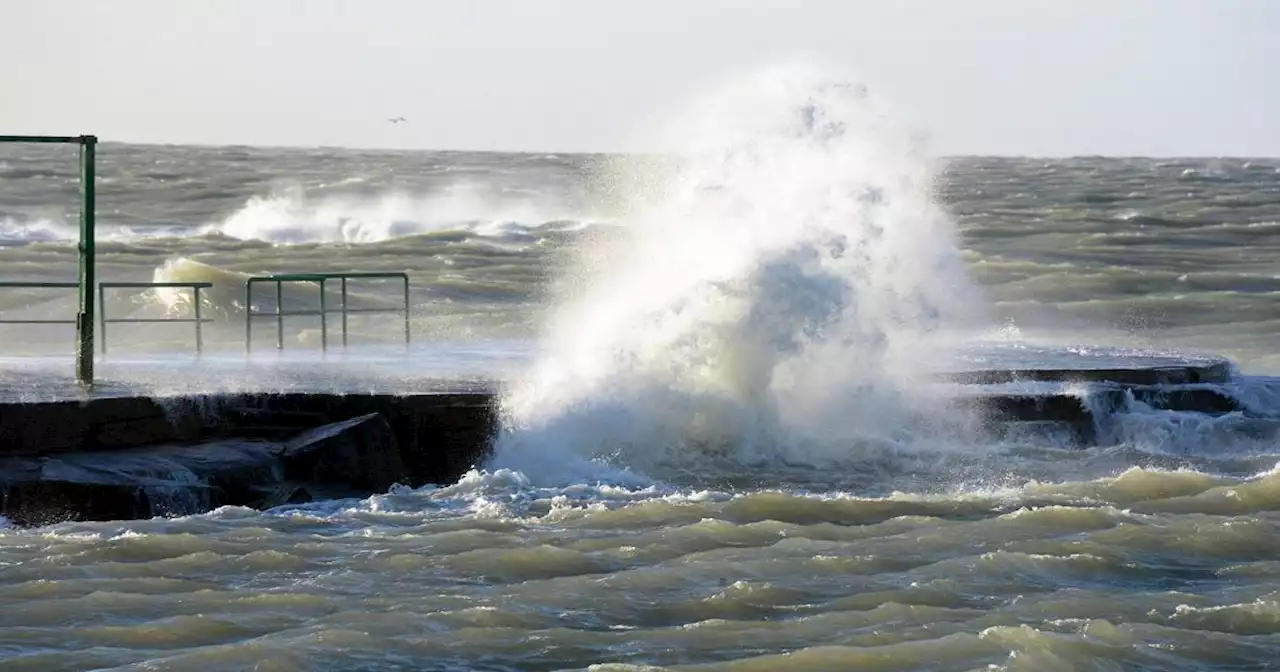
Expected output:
(712, 455)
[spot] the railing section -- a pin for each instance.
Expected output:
(88, 209)
(321, 280)
(195, 288)
(103, 320)
(38, 285)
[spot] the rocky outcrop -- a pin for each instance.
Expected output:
(96, 424)
(438, 434)
(135, 483)
(352, 458)
(1217, 371)
(359, 454)
(243, 450)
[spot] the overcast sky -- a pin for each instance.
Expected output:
(1119, 77)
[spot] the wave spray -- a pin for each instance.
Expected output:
(781, 293)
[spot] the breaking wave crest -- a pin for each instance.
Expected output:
(293, 216)
(296, 215)
(15, 232)
(770, 301)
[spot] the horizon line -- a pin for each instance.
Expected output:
(449, 150)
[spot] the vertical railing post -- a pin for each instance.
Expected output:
(406, 311)
(324, 320)
(102, 319)
(195, 295)
(279, 314)
(84, 318)
(344, 311)
(248, 316)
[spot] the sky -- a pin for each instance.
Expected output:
(1000, 77)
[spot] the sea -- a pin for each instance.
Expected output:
(720, 449)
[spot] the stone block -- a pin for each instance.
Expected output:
(359, 453)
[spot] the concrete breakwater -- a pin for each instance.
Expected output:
(136, 457)
(129, 457)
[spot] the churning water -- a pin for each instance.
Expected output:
(723, 447)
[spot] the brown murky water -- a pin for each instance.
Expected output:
(1157, 552)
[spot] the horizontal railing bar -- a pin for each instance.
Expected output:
(72, 285)
(258, 313)
(153, 320)
(355, 275)
(330, 311)
(306, 313)
(37, 321)
(140, 285)
(60, 139)
(307, 277)
(318, 277)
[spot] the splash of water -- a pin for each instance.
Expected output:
(781, 294)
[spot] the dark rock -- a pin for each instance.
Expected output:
(439, 435)
(359, 453)
(1194, 400)
(1214, 372)
(94, 424)
(162, 480)
(243, 416)
(123, 458)
(236, 468)
(1101, 399)
(1062, 417)
(1075, 434)
(1060, 408)
(36, 502)
(280, 495)
(276, 433)
(440, 441)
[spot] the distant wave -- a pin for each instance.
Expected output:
(1140, 220)
(291, 217)
(16, 232)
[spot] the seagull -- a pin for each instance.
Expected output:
(397, 120)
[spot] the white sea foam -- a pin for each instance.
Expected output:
(18, 232)
(293, 216)
(296, 215)
(778, 296)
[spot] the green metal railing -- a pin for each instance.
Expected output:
(195, 288)
(84, 316)
(320, 280)
(84, 319)
(38, 285)
(103, 321)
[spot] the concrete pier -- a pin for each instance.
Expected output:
(134, 456)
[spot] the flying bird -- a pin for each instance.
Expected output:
(397, 120)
